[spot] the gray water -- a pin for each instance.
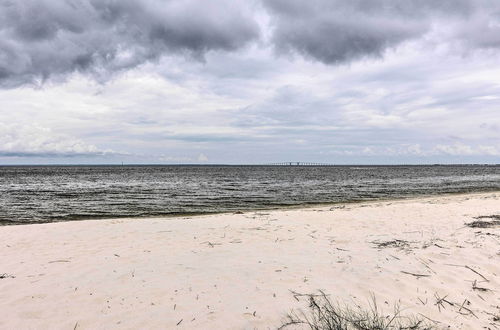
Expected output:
(33, 194)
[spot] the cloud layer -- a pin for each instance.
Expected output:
(40, 39)
(342, 31)
(236, 81)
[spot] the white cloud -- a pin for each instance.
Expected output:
(202, 158)
(175, 159)
(457, 149)
(35, 140)
(460, 149)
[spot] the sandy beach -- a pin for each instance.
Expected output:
(238, 271)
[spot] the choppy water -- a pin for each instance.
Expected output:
(56, 193)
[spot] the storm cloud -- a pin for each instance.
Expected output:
(338, 31)
(43, 38)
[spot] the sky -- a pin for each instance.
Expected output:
(249, 81)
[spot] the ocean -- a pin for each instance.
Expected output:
(36, 194)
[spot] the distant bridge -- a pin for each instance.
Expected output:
(298, 164)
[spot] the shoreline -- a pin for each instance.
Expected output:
(278, 208)
(232, 270)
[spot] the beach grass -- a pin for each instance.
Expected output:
(324, 314)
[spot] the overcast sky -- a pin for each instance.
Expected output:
(225, 81)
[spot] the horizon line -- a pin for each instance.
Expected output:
(281, 164)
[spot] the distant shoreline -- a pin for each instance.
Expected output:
(249, 165)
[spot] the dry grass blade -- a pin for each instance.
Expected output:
(322, 314)
(469, 268)
(416, 275)
(475, 287)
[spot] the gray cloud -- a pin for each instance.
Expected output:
(44, 38)
(482, 30)
(337, 31)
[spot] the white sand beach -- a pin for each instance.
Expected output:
(237, 271)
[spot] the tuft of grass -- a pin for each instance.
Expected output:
(493, 222)
(322, 314)
(396, 243)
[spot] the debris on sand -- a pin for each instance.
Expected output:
(494, 222)
(396, 243)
